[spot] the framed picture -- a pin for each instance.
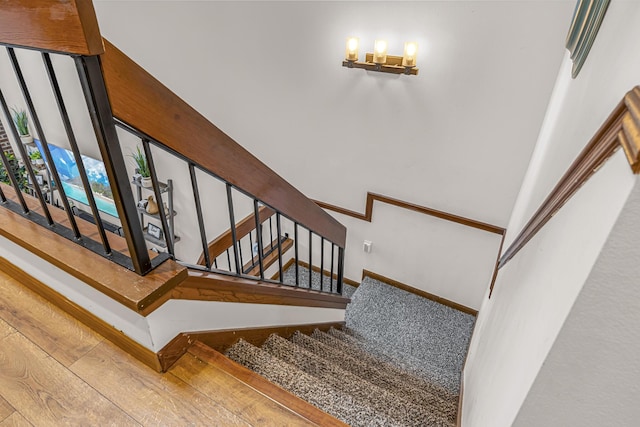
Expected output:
(39, 179)
(154, 231)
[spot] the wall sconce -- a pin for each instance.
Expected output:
(379, 60)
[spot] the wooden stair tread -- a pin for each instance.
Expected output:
(139, 293)
(296, 405)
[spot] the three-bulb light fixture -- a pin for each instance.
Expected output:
(379, 60)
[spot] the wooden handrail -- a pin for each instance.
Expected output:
(141, 101)
(225, 241)
(622, 128)
(65, 26)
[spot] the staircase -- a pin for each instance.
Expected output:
(352, 375)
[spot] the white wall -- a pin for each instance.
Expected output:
(456, 138)
(534, 293)
(449, 260)
(172, 318)
(591, 376)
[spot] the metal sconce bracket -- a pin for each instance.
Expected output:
(393, 65)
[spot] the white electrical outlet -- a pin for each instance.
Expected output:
(367, 246)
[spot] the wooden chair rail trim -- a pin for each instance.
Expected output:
(620, 129)
(262, 385)
(225, 240)
(222, 339)
(65, 26)
(127, 344)
(142, 294)
(371, 197)
(218, 287)
(419, 292)
(141, 101)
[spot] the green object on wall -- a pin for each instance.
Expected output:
(587, 17)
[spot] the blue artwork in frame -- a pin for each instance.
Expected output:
(72, 183)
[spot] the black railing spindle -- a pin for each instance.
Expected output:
(234, 236)
(271, 233)
(279, 231)
(252, 249)
(95, 93)
(256, 210)
(310, 258)
(295, 245)
(45, 146)
(196, 198)
(340, 270)
(168, 230)
(322, 264)
(7, 167)
(64, 115)
(331, 272)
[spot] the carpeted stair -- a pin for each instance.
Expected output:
(381, 370)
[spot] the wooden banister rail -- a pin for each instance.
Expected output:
(65, 26)
(622, 128)
(141, 101)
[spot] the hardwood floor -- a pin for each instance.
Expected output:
(56, 371)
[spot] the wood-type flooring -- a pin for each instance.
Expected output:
(55, 371)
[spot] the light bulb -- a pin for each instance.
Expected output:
(409, 57)
(380, 52)
(352, 49)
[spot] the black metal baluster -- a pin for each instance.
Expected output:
(36, 122)
(215, 263)
(196, 198)
(271, 233)
(340, 270)
(233, 231)
(295, 246)
(162, 213)
(279, 231)
(229, 259)
(64, 115)
(12, 178)
(256, 210)
(321, 264)
(95, 92)
(310, 258)
(3, 198)
(251, 246)
(241, 258)
(7, 166)
(331, 273)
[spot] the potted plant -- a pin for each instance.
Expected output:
(18, 171)
(142, 167)
(36, 158)
(21, 120)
